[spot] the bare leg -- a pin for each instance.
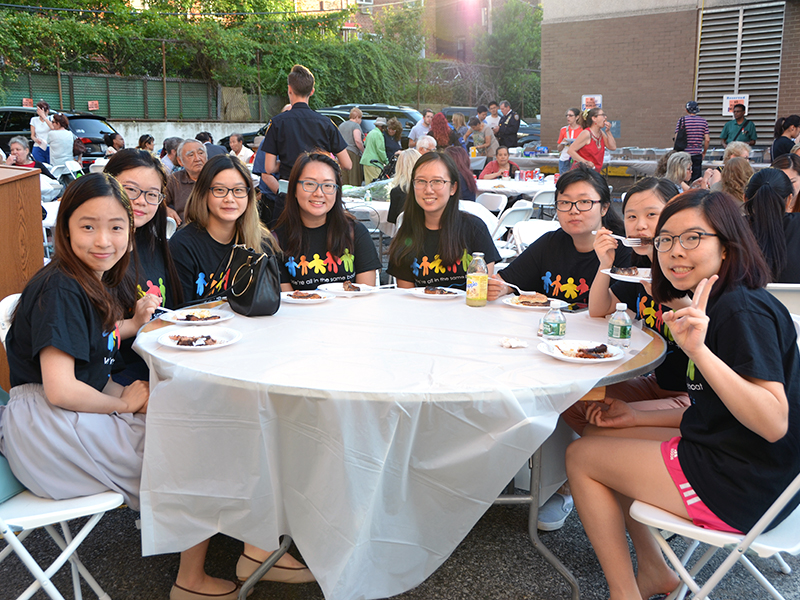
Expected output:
(192, 574)
(598, 467)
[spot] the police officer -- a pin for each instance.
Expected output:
(506, 131)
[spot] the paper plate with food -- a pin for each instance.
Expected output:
(306, 296)
(435, 292)
(629, 274)
(347, 288)
(196, 316)
(581, 351)
(532, 301)
(200, 338)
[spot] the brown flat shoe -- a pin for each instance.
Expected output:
(181, 593)
(247, 566)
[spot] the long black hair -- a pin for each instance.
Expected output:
(410, 238)
(587, 174)
(154, 233)
(341, 224)
(783, 123)
(765, 207)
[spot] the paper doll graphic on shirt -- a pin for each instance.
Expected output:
(348, 260)
(466, 260)
(200, 283)
(112, 339)
(292, 266)
(583, 287)
(220, 283)
(317, 264)
(425, 266)
(557, 286)
(332, 263)
(304, 264)
(415, 266)
(570, 289)
(436, 264)
(547, 281)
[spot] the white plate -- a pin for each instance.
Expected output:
(178, 317)
(224, 336)
(287, 297)
(642, 277)
(552, 350)
(419, 292)
(338, 289)
(512, 302)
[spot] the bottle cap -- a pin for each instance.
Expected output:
(557, 303)
(476, 254)
(622, 306)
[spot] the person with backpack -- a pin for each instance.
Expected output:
(695, 140)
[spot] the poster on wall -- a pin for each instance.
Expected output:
(591, 101)
(729, 101)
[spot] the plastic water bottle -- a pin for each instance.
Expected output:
(619, 327)
(367, 196)
(477, 281)
(554, 323)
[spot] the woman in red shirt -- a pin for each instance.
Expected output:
(591, 144)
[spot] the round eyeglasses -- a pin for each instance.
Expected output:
(688, 239)
(436, 184)
(220, 191)
(329, 189)
(581, 205)
(134, 192)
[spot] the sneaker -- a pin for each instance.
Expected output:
(554, 512)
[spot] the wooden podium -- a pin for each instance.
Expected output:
(21, 240)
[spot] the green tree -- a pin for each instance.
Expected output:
(402, 27)
(515, 47)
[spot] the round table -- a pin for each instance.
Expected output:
(375, 431)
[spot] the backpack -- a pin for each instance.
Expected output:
(681, 138)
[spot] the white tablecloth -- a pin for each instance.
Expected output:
(511, 187)
(375, 431)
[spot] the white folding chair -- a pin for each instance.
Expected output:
(545, 199)
(788, 294)
(527, 232)
(521, 211)
(22, 512)
(172, 226)
(371, 219)
(496, 203)
(479, 211)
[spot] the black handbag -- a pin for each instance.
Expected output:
(255, 285)
(681, 138)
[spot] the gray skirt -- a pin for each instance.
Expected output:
(60, 454)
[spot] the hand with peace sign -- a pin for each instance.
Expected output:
(689, 325)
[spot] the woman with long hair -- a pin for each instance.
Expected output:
(786, 131)
(442, 132)
(221, 211)
(735, 177)
(679, 170)
(589, 147)
(776, 231)
(562, 263)
(401, 182)
(790, 165)
(666, 386)
(460, 124)
(321, 241)
(726, 458)
(466, 180)
(146, 142)
(436, 241)
(60, 141)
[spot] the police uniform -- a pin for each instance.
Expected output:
(507, 131)
(288, 135)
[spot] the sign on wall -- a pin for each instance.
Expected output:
(590, 101)
(728, 102)
(94, 104)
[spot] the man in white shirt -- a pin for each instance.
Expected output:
(238, 149)
(421, 128)
(492, 119)
(170, 159)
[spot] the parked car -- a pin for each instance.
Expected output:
(89, 128)
(407, 116)
(528, 133)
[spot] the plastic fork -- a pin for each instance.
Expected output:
(630, 242)
(519, 289)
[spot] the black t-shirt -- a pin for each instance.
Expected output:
(552, 266)
(736, 472)
(783, 145)
(55, 311)
(397, 201)
(791, 269)
(300, 130)
(201, 262)
(152, 271)
(670, 374)
(428, 269)
(316, 265)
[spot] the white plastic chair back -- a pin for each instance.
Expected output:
(788, 294)
(399, 221)
(98, 165)
(545, 199)
(479, 211)
(74, 168)
(512, 216)
(527, 232)
(493, 202)
(172, 226)
(7, 306)
(371, 219)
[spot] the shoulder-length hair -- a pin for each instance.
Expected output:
(249, 230)
(766, 196)
(735, 177)
(677, 165)
(88, 187)
(587, 174)
(341, 224)
(743, 263)
(154, 232)
(405, 165)
(410, 238)
(461, 158)
(440, 130)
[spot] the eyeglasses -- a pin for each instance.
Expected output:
(134, 192)
(220, 191)
(581, 205)
(688, 239)
(436, 184)
(329, 189)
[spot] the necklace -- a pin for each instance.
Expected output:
(595, 138)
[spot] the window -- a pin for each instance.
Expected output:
(461, 49)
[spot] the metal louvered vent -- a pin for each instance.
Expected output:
(740, 53)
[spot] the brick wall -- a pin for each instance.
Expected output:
(788, 103)
(642, 65)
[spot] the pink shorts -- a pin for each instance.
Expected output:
(700, 514)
